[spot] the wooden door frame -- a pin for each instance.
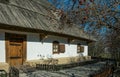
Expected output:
(7, 39)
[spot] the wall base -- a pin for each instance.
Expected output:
(65, 60)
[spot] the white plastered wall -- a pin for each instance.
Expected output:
(2, 47)
(37, 49)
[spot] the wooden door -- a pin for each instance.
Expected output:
(16, 53)
(15, 49)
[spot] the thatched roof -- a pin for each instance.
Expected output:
(36, 15)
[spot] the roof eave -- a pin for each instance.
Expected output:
(23, 29)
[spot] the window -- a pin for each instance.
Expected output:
(80, 48)
(55, 47)
(58, 48)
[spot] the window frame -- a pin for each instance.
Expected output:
(80, 48)
(55, 47)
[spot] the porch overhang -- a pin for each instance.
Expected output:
(32, 30)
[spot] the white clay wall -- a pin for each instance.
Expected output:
(37, 49)
(2, 47)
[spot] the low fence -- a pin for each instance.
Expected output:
(62, 66)
(14, 72)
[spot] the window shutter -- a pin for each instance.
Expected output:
(82, 49)
(62, 48)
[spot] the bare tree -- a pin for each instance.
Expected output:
(93, 16)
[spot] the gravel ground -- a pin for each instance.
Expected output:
(81, 71)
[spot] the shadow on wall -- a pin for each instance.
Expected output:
(50, 39)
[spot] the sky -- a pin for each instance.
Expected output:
(64, 4)
(68, 3)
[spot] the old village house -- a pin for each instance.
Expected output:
(30, 31)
